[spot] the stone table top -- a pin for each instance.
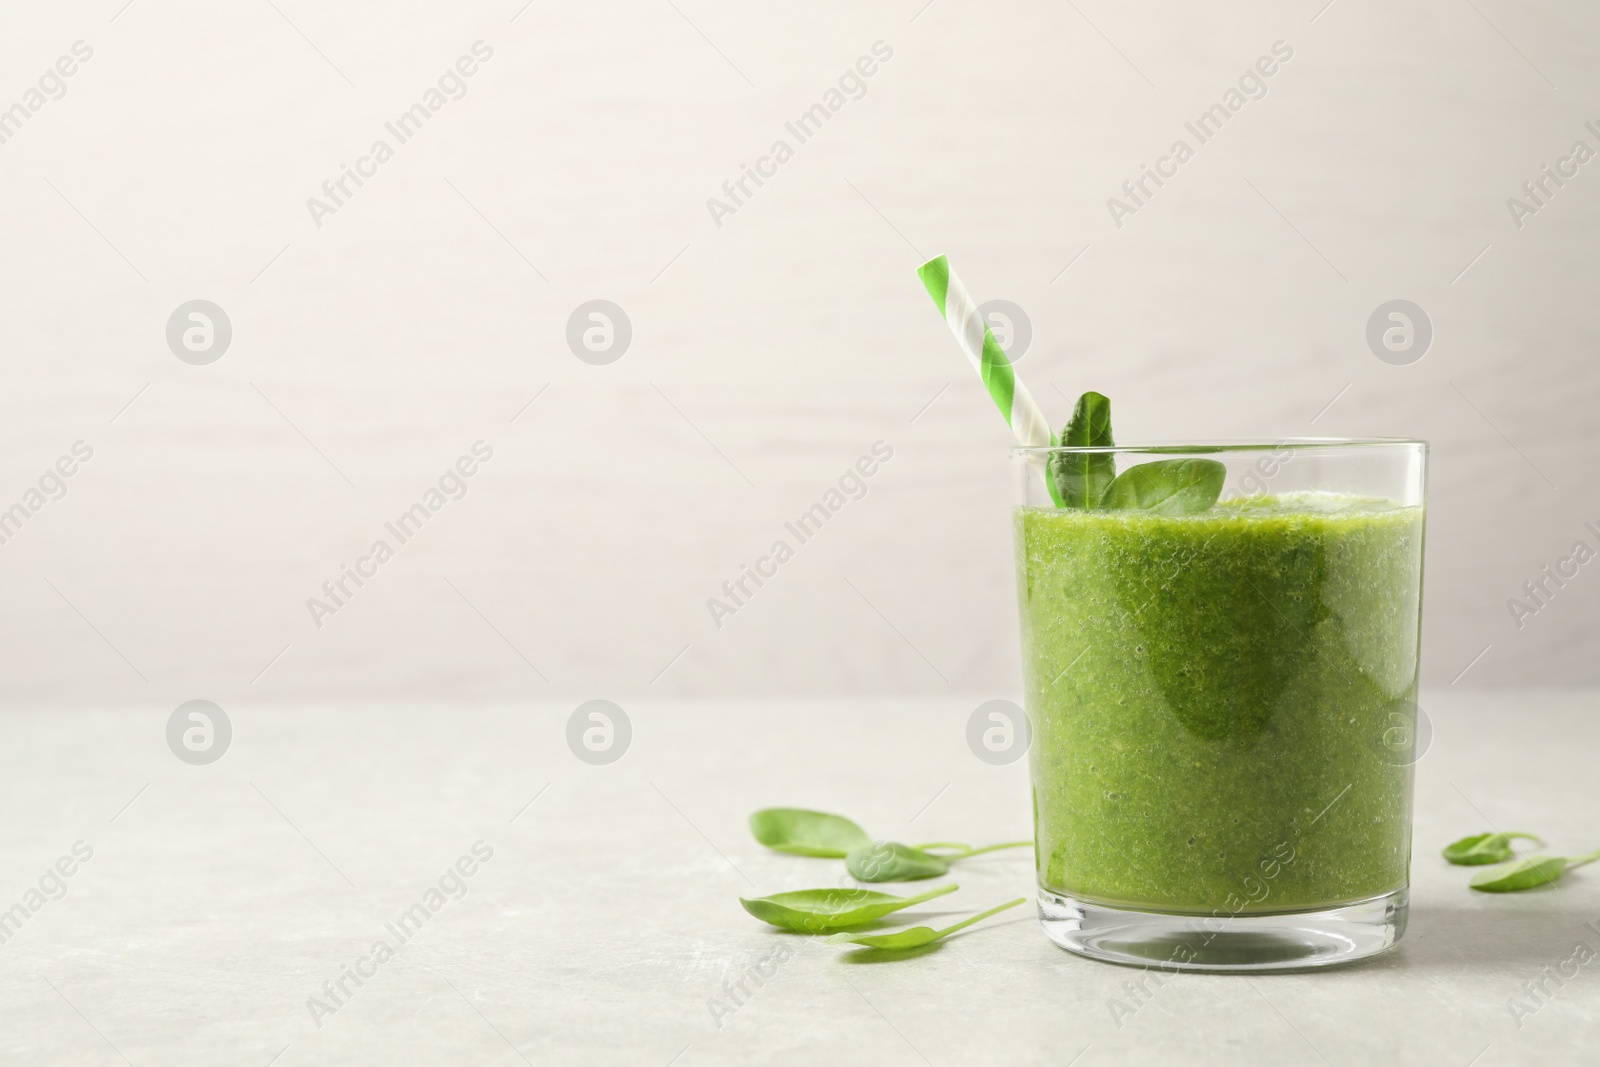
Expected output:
(531, 907)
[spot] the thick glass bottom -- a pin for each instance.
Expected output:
(1247, 943)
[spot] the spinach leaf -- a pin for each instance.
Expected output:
(890, 861)
(1478, 849)
(815, 911)
(807, 833)
(1528, 873)
(1167, 487)
(917, 936)
(1082, 477)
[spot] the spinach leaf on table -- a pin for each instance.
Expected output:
(815, 911)
(917, 936)
(891, 861)
(807, 833)
(1528, 873)
(1478, 849)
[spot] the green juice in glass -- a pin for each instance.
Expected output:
(1214, 700)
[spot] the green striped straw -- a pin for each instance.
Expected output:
(960, 313)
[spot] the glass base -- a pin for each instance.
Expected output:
(1287, 942)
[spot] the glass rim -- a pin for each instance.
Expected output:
(1263, 444)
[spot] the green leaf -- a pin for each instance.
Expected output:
(1479, 849)
(917, 936)
(890, 861)
(1528, 873)
(807, 833)
(815, 911)
(1167, 487)
(1082, 477)
(1523, 874)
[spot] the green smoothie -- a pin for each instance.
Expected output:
(1220, 702)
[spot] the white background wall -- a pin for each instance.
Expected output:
(370, 352)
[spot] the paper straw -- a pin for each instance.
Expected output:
(960, 313)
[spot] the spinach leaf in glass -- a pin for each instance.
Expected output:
(1083, 477)
(1167, 487)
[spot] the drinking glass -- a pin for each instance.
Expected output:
(1223, 704)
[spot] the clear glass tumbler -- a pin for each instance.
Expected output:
(1223, 701)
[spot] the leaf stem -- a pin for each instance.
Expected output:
(982, 915)
(930, 894)
(964, 851)
(1579, 861)
(1008, 844)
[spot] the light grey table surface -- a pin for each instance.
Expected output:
(219, 899)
